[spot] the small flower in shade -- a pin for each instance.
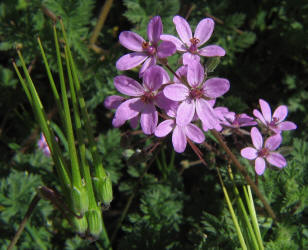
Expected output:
(180, 132)
(43, 146)
(196, 96)
(146, 96)
(146, 52)
(276, 122)
(190, 44)
(260, 153)
(239, 120)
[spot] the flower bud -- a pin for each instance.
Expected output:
(103, 189)
(94, 217)
(80, 200)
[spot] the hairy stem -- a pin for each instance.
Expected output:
(22, 225)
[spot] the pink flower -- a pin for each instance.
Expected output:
(180, 132)
(259, 153)
(239, 120)
(276, 122)
(145, 52)
(146, 96)
(190, 44)
(43, 146)
(196, 95)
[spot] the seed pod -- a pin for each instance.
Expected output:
(80, 224)
(94, 217)
(103, 190)
(80, 200)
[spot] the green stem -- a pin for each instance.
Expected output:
(76, 178)
(22, 225)
(50, 138)
(252, 211)
(243, 211)
(101, 20)
(235, 221)
(51, 81)
(99, 170)
(80, 137)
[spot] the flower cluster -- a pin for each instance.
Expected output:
(272, 126)
(185, 102)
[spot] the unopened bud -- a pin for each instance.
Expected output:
(94, 217)
(80, 200)
(103, 189)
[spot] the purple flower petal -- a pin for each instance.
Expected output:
(183, 29)
(134, 122)
(280, 113)
(258, 114)
(176, 92)
(287, 125)
(166, 77)
(185, 112)
(126, 111)
(131, 41)
(260, 165)
(215, 87)
(166, 104)
(113, 101)
(273, 142)
(211, 51)
(204, 30)
(149, 119)
(194, 133)
(181, 73)
(153, 77)
(131, 60)
(195, 74)
(177, 42)
(155, 29)
(276, 159)
(179, 139)
(164, 128)
(166, 49)
(189, 57)
(128, 86)
(266, 110)
(256, 138)
(151, 61)
(206, 114)
(249, 153)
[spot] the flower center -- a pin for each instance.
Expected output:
(151, 50)
(193, 47)
(274, 121)
(148, 97)
(196, 93)
(263, 152)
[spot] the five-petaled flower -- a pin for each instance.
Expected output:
(259, 153)
(190, 44)
(146, 96)
(180, 132)
(146, 52)
(276, 122)
(196, 94)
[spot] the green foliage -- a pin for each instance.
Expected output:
(156, 225)
(173, 206)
